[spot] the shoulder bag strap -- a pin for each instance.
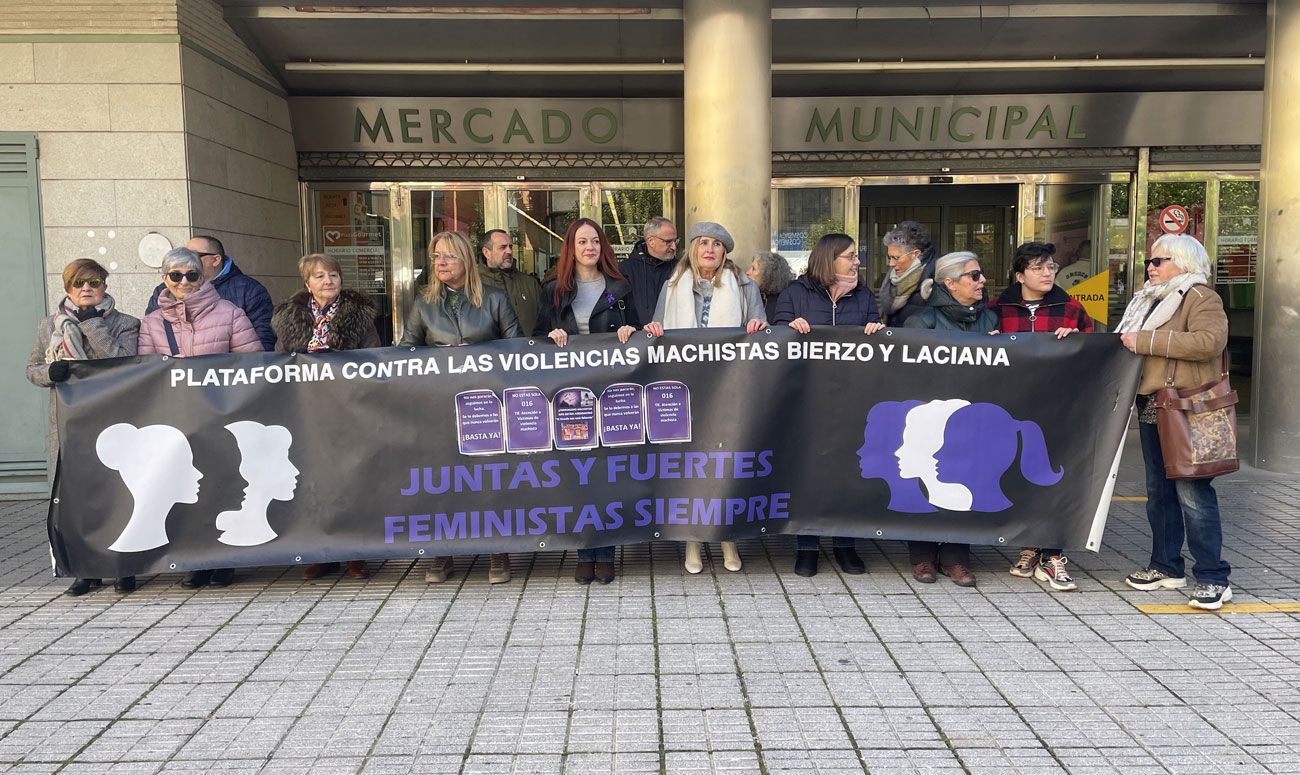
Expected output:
(171, 337)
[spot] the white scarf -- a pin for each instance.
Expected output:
(724, 309)
(1155, 305)
(66, 341)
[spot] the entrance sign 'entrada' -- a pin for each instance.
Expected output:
(798, 123)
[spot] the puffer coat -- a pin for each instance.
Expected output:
(203, 322)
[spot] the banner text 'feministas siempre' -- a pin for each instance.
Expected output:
(243, 460)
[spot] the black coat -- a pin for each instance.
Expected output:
(614, 309)
(944, 313)
(646, 274)
(806, 298)
(353, 327)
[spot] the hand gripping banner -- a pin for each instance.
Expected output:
(174, 464)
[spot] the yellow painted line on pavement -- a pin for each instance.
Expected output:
(1228, 608)
(1129, 498)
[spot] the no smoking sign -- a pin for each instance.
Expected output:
(1174, 219)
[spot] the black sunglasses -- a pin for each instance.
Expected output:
(1156, 261)
(93, 282)
(178, 276)
(974, 275)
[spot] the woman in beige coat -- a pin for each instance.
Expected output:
(1178, 319)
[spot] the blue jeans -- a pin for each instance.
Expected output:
(805, 543)
(1178, 506)
(599, 554)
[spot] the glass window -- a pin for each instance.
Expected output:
(1175, 208)
(354, 230)
(803, 216)
(537, 220)
(624, 212)
(1237, 242)
(988, 231)
(443, 210)
(886, 218)
(1088, 223)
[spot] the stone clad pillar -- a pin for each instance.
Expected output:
(1275, 410)
(728, 119)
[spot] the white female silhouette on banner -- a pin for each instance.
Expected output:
(265, 465)
(157, 466)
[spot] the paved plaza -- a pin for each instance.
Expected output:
(753, 672)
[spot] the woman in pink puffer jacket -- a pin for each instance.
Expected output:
(202, 322)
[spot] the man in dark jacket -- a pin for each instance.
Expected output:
(497, 269)
(232, 285)
(651, 261)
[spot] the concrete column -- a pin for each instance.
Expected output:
(1275, 413)
(728, 116)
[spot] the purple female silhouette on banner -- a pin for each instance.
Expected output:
(950, 454)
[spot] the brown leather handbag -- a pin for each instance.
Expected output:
(1198, 427)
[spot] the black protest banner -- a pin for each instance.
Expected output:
(245, 460)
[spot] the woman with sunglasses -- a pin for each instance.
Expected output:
(86, 326)
(1035, 303)
(828, 294)
(456, 308)
(192, 319)
(956, 303)
(1177, 321)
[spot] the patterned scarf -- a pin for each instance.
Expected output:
(66, 341)
(1155, 305)
(904, 285)
(321, 320)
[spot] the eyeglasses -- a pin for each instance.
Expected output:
(192, 277)
(974, 275)
(847, 256)
(1156, 261)
(93, 282)
(890, 258)
(444, 258)
(672, 241)
(1049, 268)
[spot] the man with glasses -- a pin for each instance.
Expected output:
(497, 269)
(650, 263)
(232, 285)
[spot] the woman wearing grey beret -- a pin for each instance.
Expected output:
(708, 290)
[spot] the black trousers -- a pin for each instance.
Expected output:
(940, 554)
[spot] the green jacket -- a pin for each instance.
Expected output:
(523, 290)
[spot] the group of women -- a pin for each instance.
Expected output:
(1175, 318)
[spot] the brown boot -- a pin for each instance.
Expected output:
(318, 569)
(924, 572)
(604, 572)
(357, 569)
(960, 575)
(584, 572)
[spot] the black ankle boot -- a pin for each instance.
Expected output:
(849, 561)
(805, 562)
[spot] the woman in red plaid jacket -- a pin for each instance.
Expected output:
(1034, 302)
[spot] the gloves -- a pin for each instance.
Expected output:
(59, 371)
(86, 314)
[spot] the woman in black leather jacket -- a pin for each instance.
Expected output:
(589, 295)
(456, 308)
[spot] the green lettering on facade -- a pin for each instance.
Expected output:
(824, 128)
(517, 127)
(899, 119)
(934, 123)
(552, 138)
(1016, 115)
(406, 118)
(439, 120)
(1045, 123)
(1073, 132)
(372, 130)
(611, 128)
(858, 134)
(993, 118)
(961, 137)
(470, 115)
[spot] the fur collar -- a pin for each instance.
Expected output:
(292, 321)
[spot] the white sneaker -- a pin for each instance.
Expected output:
(730, 556)
(439, 569)
(1052, 570)
(693, 563)
(1210, 597)
(1149, 579)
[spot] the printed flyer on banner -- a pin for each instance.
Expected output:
(277, 458)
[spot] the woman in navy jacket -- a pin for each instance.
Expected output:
(829, 293)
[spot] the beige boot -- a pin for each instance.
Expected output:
(693, 562)
(730, 556)
(439, 569)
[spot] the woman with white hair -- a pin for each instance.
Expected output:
(956, 303)
(1177, 320)
(708, 290)
(192, 319)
